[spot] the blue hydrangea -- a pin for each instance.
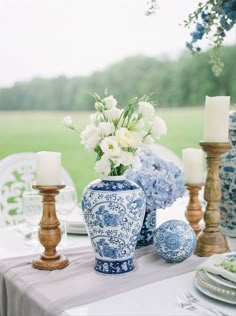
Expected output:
(162, 181)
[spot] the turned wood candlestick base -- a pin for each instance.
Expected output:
(194, 211)
(49, 231)
(211, 240)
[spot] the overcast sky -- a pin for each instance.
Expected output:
(76, 37)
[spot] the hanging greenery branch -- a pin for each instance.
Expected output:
(212, 19)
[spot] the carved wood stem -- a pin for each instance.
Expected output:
(194, 211)
(49, 231)
(211, 240)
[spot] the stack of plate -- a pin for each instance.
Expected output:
(216, 286)
(75, 222)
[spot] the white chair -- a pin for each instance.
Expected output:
(17, 174)
(166, 154)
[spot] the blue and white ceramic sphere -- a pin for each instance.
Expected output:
(113, 209)
(174, 240)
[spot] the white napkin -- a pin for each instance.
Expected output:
(213, 265)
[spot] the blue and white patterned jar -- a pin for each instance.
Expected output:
(145, 237)
(113, 209)
(227, 171)
(174, 240)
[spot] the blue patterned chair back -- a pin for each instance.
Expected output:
(17, 174)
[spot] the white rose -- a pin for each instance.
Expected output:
(113, 114)
(128, 138)
(68, 121)
(110, 102)
(146, 109)
(158, 127)
(110, 147)
(106, 128)
(103, 166)
(90, 137)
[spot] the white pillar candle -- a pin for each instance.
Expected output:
(216, 120)
(48, 168)
(193, 165)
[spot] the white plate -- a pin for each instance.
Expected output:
(220, 280)
(75, 222)
(213, 291)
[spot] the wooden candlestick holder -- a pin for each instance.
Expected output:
(49, 231)
(211, 240)
(194, 211)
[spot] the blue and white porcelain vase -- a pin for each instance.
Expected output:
(228, 183)
(145, 238)
(113, 209)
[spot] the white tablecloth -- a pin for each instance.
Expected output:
(158, 298)
(155, 299)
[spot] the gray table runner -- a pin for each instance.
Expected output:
(25, 291)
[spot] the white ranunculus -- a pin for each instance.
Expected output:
(68, 121)
(93, 117)
(146, 109)
(110, 147)
(126, 158)
(90, 137)
(103, 166)
(139, 125)
(158, 127)
(110, 102)
(106, 128)
(128, 138)
(113, 114)
(136, 164)
(148, 140)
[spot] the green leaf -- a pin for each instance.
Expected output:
(12, 212)
(9, 183)
(11, 199)
(17, 175)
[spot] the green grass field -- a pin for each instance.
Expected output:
(36, 131)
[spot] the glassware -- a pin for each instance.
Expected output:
(65, 203)
(32, 211)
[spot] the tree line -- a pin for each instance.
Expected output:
(181, 82)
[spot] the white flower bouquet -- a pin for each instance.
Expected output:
(116, 134)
